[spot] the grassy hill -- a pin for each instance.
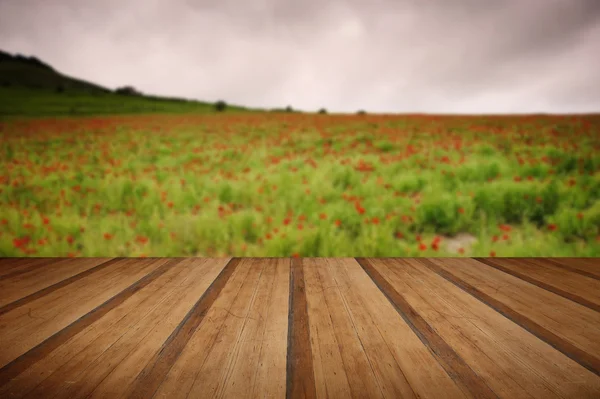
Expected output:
(29, 87)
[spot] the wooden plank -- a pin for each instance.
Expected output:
(270, 379)
(583, 290)
(574, 330)
(121, 360)
(150, 378)
(75, 356)
(8, 265)
(242, 380)
(470, 383)
(45, 316)
(403, 365)
(300, 375)
(511, 361)
(329, 373)
(203, 363)
(42, 275)
(589, 267)
(125, 374)
(37, 336)
(124, 311)
(51, 278)
(211, 379)
(13, 267)
(510, 333)
(337, 350)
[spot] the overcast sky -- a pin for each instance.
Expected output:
(439, 56)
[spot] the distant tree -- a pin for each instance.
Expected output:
(289, 109)
(128, 91)
(4, 56)
(361, 112)
(322, 111)
(220, 106)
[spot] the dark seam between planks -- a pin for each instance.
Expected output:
(50, 384)
(586, 360)
(575, 298)
(300, 379)
(45, 291)
(571, 268)
(29, 266)
(152, 376)
(10, 266)
(454, 365)
(43, 349)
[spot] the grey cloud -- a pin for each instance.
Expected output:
(465, 56)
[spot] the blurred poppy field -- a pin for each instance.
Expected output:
(277, 184)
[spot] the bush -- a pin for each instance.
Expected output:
(220, 106)
(322, 111)
(127, 90)
(289, 109)
(361, 112)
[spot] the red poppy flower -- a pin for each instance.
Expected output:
(505, 227)
(21, 242)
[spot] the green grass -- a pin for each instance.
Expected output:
(310, 185)
(19, 102)
(33, 88)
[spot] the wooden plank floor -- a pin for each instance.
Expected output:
(299, 328)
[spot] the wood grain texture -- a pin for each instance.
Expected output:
(301, 327)
(148, 381)
(401, 364)
(18, 364)
(24, 291)
(511, 361)
(182, 375)
(14, 267)
(580, 289)
(336, 350)
(79, 352)
(549, 317)
(455, 366)
(589, 267)
(258, 368)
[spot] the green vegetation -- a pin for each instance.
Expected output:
(267, 184)
(33, 102)
(187, 178)
(29, 87)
